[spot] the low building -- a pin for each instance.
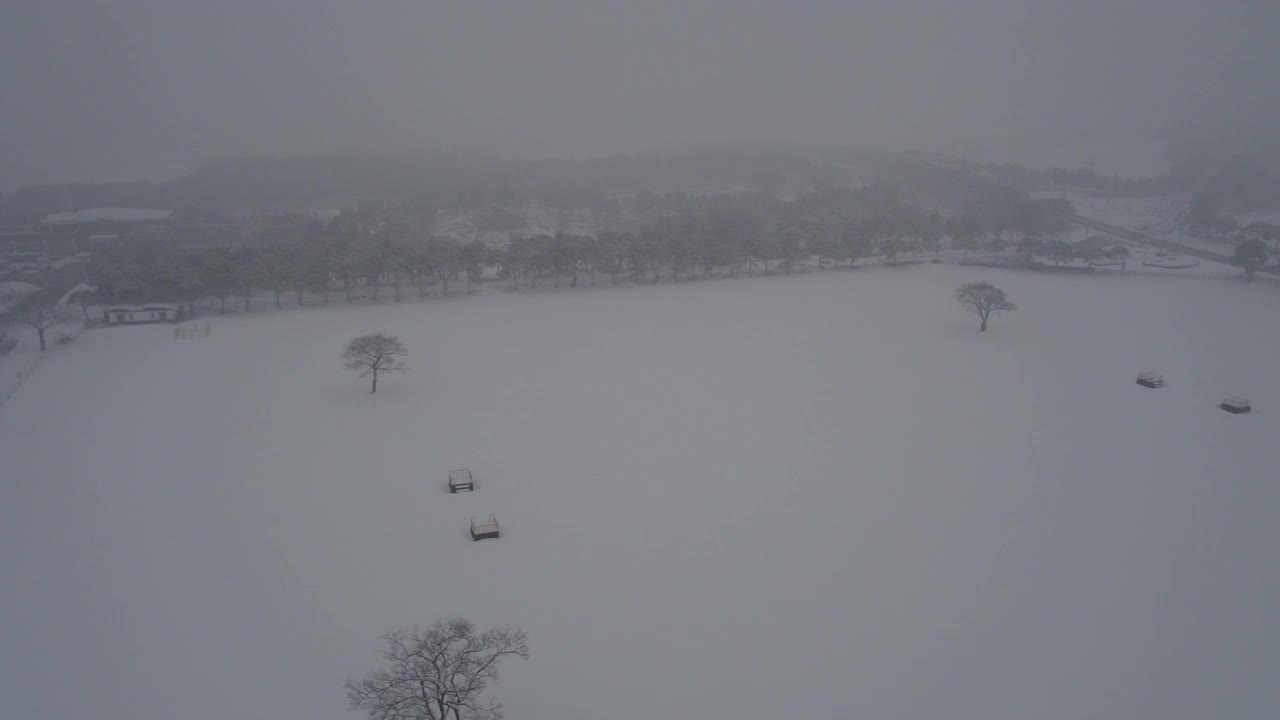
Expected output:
(140, 314)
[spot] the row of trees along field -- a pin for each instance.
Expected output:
(382, 255)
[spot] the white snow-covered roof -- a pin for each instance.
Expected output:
(1236, 402)
(484, 525)
(13, 291)
(142, 308)
(106, 213)
(17, 287)
(80, 288)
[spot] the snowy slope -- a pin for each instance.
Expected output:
(12, 292)
(802, 497)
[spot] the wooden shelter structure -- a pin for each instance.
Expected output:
(461, 479)
(1151, 379)
(1236, 405)
(484, 529)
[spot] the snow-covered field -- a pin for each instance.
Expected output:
(805, 497)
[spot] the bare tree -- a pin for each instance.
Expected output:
(439, 673)
(41, 319)
(7, 344)
(375, 354)
(983, 299)
(1121, 253)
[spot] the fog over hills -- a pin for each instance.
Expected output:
(148, 90)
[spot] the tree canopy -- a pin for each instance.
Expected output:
(984, 300)
(438, 673)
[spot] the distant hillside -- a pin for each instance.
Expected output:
(1222, 177)
(264, 183)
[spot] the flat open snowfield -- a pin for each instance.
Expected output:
(798, 497)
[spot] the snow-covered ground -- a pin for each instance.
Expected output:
(804, 497)
(1269, 216)
(538, 220)
(13, 291)
(1157, 216)
(1154, 215)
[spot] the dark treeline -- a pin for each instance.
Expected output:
(338, 180)
(257, 184)
(386, 252)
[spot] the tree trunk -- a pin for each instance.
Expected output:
(374, 389)
(277, 298)
(40, 332)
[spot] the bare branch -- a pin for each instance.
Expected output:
(983, 299)
(375, 354)
(438, 673)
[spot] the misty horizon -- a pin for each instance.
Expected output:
(145, 90)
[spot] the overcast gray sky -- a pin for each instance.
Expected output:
(149, 88)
